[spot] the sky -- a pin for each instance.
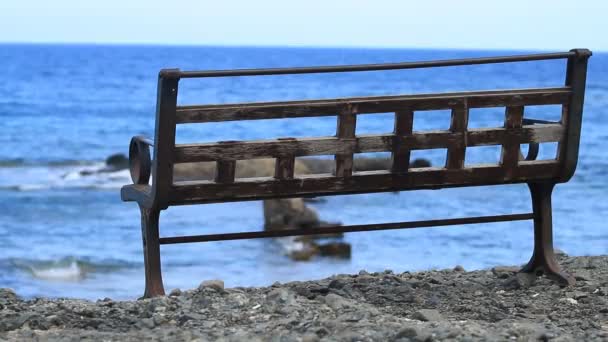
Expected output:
(469, 24)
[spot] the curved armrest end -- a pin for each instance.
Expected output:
(532, 151)
(140, 162)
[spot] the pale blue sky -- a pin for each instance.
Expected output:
(479, 24)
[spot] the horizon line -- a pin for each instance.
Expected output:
(285, 46)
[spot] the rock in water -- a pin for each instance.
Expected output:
(336, 249)
(117, 162)
(280, 214)
(419, 162)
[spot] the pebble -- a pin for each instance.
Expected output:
(519, 281)
(427, 315)
(424, 306)
(217, 285)
(335, 301)
(503, 272)
(408, 332)
(569, 300)
(458, 268)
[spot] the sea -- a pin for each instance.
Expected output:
(64, 232)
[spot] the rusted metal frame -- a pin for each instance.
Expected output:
(543, 257)
(256, 149)
(576, 75)
(400, 155)
(164, 137)
(375, 67)
(509, 156)
(360, 182)
(455, 158)
(151, 248)
(345, 132)
(369, 105)
(162, 169)
(346, 229)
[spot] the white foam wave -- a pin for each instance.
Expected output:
(69, 272)
(291, 245)
(62, 177)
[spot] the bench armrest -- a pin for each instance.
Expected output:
(140, 162)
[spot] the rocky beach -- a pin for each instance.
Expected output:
(440, 305)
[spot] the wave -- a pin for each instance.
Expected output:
(68, 175)
(20, 162)
(67, 269)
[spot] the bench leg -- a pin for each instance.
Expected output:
(149, 230)
(543, 259)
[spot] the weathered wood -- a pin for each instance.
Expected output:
(140, 193)
(404, 124)
(380, 104)
(510, 151)
(240, 150)
(225, 171)
(359, 182)
(285, 167)
(345, 131)
(458, 124)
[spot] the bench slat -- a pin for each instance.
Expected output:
(285, 167)
(404, 124)
(225, 171)
(458, 124)
(360, 182)
(379, 104)
(239, 150)
(510, 151)
(345, 131)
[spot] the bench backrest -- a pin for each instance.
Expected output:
(225, 187)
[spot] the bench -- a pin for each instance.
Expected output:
(161, 192)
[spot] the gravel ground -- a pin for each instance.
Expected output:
(487, 305)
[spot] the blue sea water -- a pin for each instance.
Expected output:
(64, 109)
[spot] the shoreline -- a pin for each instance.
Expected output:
(452, 304)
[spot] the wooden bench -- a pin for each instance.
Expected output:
(540, 175)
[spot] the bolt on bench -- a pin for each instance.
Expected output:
(540, 175)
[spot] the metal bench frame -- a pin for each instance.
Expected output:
(540, 175)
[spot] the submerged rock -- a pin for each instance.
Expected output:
(279, 214)
(117, 162)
